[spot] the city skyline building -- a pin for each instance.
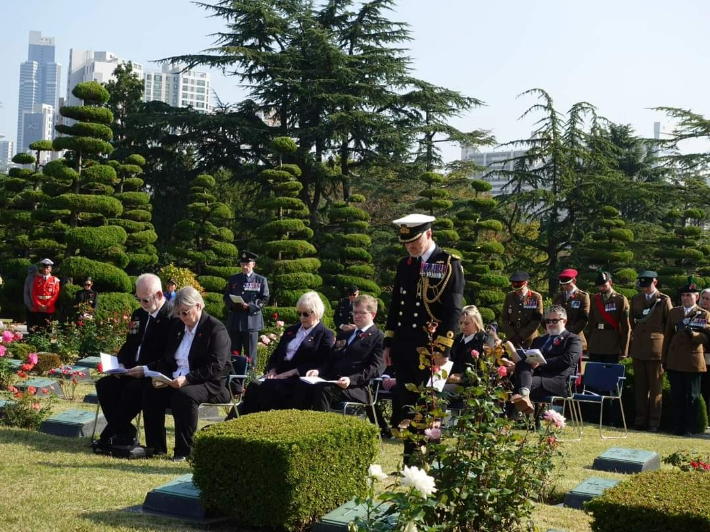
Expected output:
(7, 151)
(38, 124)
(40, 78)
(178, 89)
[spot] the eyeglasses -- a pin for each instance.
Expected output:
(186, 312)
(305, 314)
(87, 284)
(553, 320)
(144, 300)
(360, 312)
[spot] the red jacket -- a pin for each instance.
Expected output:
(45, 292)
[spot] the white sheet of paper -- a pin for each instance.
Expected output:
(534, 356)
(110, 364)
(157, 376)
(438, 380)
(314, 380)
(236, 299)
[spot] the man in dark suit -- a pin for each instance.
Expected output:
(343, 315)
(120, 396)
(427, 295)
(356, 359)
(245, 319)
(562, 351)
(197, 360)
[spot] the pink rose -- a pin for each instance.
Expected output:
(32, 390)
(272, 336)
(280, 324)
(18, 336)
(554, 417)
(432, 434)
(3, 350)
(8, 337)
(36, 406)
(33, 358)
(502, 371)
(474, 353)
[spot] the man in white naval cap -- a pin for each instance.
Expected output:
(428, 292)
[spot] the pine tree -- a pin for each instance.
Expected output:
(285, 236)
(204, 244)
(435, 200)
(483, 265)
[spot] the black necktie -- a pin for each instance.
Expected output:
(357, 333)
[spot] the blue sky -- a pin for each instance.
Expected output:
(623, 56)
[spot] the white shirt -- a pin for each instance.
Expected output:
(651, 295)
(688, 310)
(294, 344)
(467, 339)
(352, 336)
(151, 316)
(183, 351)
(425, 256)
(569, 294)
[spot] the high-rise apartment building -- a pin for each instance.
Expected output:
(7, 151)
(179, 89)
(87, 65)
(38, 124)
(39, 83)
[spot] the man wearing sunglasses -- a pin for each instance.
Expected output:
(562, 351)
(120, 396)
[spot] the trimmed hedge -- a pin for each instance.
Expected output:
(658, 501)
(304, 463)
(214, 304)
(212, 283)
(114, 303)
(105, 276)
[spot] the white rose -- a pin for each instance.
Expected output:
(419, 480)
(375, 471)
(410, 527)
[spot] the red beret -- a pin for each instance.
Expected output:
(569, 273)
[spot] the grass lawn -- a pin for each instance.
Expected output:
(57, 484)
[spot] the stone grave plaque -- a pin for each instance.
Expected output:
(89, 362)
(92, 398)
(14, 363)
(338, 519)
(587, 490)
(45, 387)
(179, 498)
(5, 402)
(621, 460)
(73, 369)
(73, 423)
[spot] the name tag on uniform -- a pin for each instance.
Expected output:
(432, 270)
(252, 287)
(611, 307)
(575, 304)
(530, 303)
(646, 311)
(600, 326)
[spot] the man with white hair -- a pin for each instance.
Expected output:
(120, 395)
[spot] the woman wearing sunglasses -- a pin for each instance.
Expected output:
(303, 346)
(197, 360)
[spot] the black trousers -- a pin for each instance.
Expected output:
(271, 394)
(321, 396)
(184, 403)
(525, 378)
(406, 366)
(607, 359)
(246, 342)
(705, 389)
(685, 390)
(121, 399)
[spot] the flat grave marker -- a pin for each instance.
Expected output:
(587, 490)
(92, 398)
(89, 362)
(622, 460)
(45, 387)
(338, 519)
(73, 424)
(74, 372)
(179, 499)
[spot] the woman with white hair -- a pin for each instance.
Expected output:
(303, 346)
(197, 360)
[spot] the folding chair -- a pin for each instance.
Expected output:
(602, 382)
(350, 407)
(563, 401)
(235, 384)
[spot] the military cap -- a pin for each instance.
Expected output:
(567, 276)
(248, 256)
(351, 290)
(646, 278)
(518, 278)
(47, 262)
(602, 277)
(412, 226)
(690, 287)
